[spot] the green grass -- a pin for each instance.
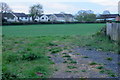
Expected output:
(26, 58)
(51, 29)
(109, 72)
(72, 67)
(83, 70)
(25, 47)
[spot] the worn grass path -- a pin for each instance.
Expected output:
(83, 63)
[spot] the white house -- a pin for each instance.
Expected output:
(42, 18)
(9, 17)
(69, 17)
(16, 17)
(60, 17)
(21, 17)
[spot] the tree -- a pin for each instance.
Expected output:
(84, 16)
(106, 12)
(35, 11)
(4, 8)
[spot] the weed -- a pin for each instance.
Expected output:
(85, 57)
(65, 62)
(109, 59)
(52, 44)
(118, 63)
(66, 55)
(68, 71)
(77, 53)
(93, 63)
(71, 67)
(100, 67)
(73, 62)
(30, 56)
(83, 70)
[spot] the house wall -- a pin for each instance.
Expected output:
(113, 30)
(10, 19)
(52, 18)
(44, 18)
(70, 19)
(60, 19)
(24, 19)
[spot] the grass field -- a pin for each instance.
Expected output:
(25, 47)
(51, 29)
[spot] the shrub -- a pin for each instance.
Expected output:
(93, 63)
(66, 55)
(83, 70)
(71, 67)
(10, 57)
(109, 58)
(85, 57)
(7, 75)
(73, 61)
(55, 50)
(30, 56)
(52, 44)
(99, 67)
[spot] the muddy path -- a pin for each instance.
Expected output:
(80, 62)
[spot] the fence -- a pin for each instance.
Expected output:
(113, 30)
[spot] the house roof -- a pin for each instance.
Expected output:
(20, 14)
(59, 15)
(9, 15)
(48, 15)
(69, 15)
(102, 16)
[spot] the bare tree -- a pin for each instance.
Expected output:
(36, 10)
(4, 8)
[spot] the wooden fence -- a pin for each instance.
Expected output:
(113, 30)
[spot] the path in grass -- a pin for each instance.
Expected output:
(83, 63)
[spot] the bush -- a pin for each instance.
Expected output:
(7, 75)
(10, 57)
(30, 56)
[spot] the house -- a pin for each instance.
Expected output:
(52, 18)
(42, 18)
(60, 17)
(69, 17)
(9, 17)
(55, 17)
(64, 17)
(107, 17)
(15, 17)
(21, 17)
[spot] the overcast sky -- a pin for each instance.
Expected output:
(68, 6)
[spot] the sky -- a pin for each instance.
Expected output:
(67, 6)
